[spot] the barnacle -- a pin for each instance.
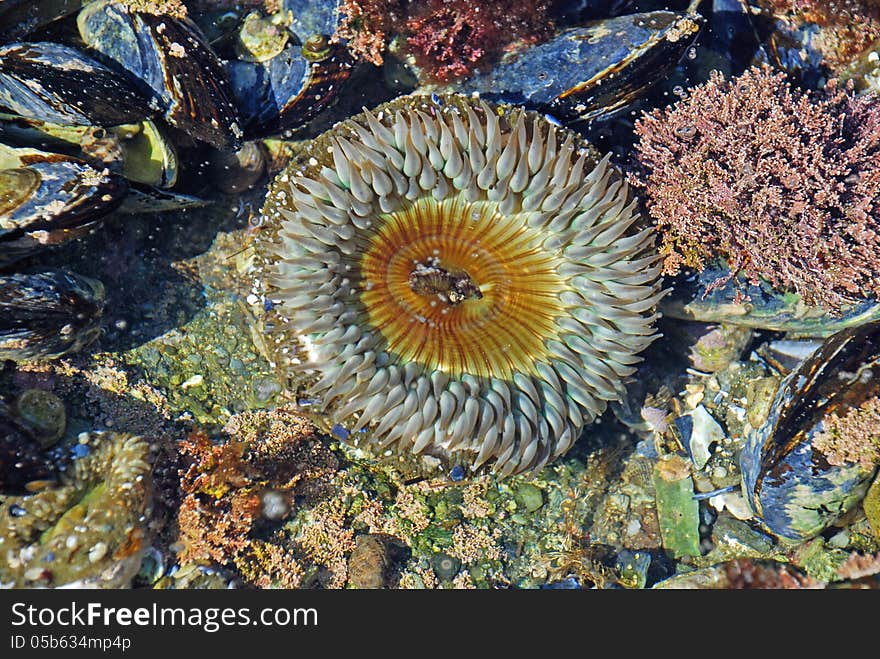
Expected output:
(461, 278)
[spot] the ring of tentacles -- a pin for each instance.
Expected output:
(458, 278)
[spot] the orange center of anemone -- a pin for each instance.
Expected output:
(495, 335)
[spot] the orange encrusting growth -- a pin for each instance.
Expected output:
(497, 335)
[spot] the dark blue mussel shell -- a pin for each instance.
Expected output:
(590, 72)
(47, 314)
(172, 58)
(58, 84)
(49, 198)
(313, 17)
(715, 295)
(792, 488)
(288, 90)
(21, 17)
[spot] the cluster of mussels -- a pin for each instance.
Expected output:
(452, 273)
(112, 108)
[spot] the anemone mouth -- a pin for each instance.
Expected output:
(494, 333)
(461, 278)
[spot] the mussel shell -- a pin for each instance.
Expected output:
(287, 91)
(141, 152)
(310, 17)
(591, 72)
(60, 192)
(48, 198)
(171, 56)
(58, 84)
(21, 17)
(790, 484)
(48, 314)
(699, 296)
(16, 130)
(147, 199)
(149, 157)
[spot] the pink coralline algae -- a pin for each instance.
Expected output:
(368, 25)
(781, 183)
(449, 39)
(452, 38)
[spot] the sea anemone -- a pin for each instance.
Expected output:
(88, 528)
(460, 278)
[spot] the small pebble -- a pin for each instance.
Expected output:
(194, 381)
(97, 552)
(275, 505)
(34, 573)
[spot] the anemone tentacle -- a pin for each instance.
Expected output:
(461, 278)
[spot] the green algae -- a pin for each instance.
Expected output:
(677, 510)
(210, 367)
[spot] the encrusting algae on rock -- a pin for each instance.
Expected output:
(461, 278)
(233, 489)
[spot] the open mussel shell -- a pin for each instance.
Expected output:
(48, 314)
(714, 295)
(16, 130)
(591, 72)
(174, 60)
(58, 84)
(49, 198)
(141, 152)
(793, 484)
(148, 156)
(290, 89)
